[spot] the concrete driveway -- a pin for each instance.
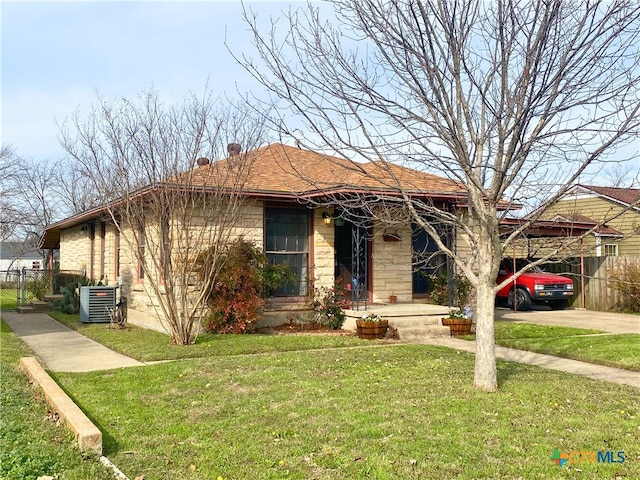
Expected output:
(606, 321)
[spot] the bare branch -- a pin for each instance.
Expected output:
(167, 197)
(513, 100)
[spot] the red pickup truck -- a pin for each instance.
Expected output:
(533, 286)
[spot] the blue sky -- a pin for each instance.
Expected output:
(57, 56)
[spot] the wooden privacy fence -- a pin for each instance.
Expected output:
(598, 287)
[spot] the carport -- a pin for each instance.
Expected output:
(552, 229)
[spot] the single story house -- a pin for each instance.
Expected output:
(305, 210)
(290, 211)
(618, 207)
(16, 255)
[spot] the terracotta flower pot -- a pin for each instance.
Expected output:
(393, 298)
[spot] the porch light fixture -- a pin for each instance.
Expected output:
(326, 218)
(83, 230)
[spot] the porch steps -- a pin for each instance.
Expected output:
(53, 298)
(412, 320)
(34, 307)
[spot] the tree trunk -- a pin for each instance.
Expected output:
(485, 373)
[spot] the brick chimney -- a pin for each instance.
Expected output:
(234, 149)
(202, 161)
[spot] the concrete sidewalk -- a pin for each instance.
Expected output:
(598, 372)
(64, 350)
(61, 349)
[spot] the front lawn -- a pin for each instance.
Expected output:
(32, 442)
(507, 330)
(147, 345)
(591, 346)
(403, 411)
(619, 351)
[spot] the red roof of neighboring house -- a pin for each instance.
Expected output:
(627, 196)
(582, 219)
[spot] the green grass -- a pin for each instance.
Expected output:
(506, 330)
(621, 351)
(253, 407)
(591, 346)
(8, 299)
(147, 345)
(384, 412)
(31, 445)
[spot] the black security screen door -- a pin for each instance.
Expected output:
(426, 260)
(352, 254)
(287, 243)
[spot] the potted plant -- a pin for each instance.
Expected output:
(452, 314)
(372, 326)
(458, 322)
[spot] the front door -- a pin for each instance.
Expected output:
(426, 261)
(352, 247)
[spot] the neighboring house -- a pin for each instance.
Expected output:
(16, 255)
(288, 192)
(617, 207)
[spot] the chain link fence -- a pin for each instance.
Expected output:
(21, 286)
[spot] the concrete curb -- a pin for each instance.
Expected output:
(89, 437)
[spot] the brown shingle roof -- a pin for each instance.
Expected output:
(623, 195)
(281, 169)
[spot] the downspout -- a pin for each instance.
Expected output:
(598, 244)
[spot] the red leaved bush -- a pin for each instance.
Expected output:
(236, 299)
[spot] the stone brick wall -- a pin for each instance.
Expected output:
(142, 299)
(75, 248)
(390, 261)
(323, 250)
(391, 264)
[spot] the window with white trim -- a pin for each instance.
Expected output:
(611, 249)
(287, 243)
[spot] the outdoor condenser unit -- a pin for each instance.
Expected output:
(95, 303)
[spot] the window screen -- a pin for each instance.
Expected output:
(287, 243)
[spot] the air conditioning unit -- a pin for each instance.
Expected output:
(95, 303)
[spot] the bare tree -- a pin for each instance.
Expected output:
(74, 189)
(168, 202)
(621, 175)
(513, 100)
(28, 199)
(9, 214)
